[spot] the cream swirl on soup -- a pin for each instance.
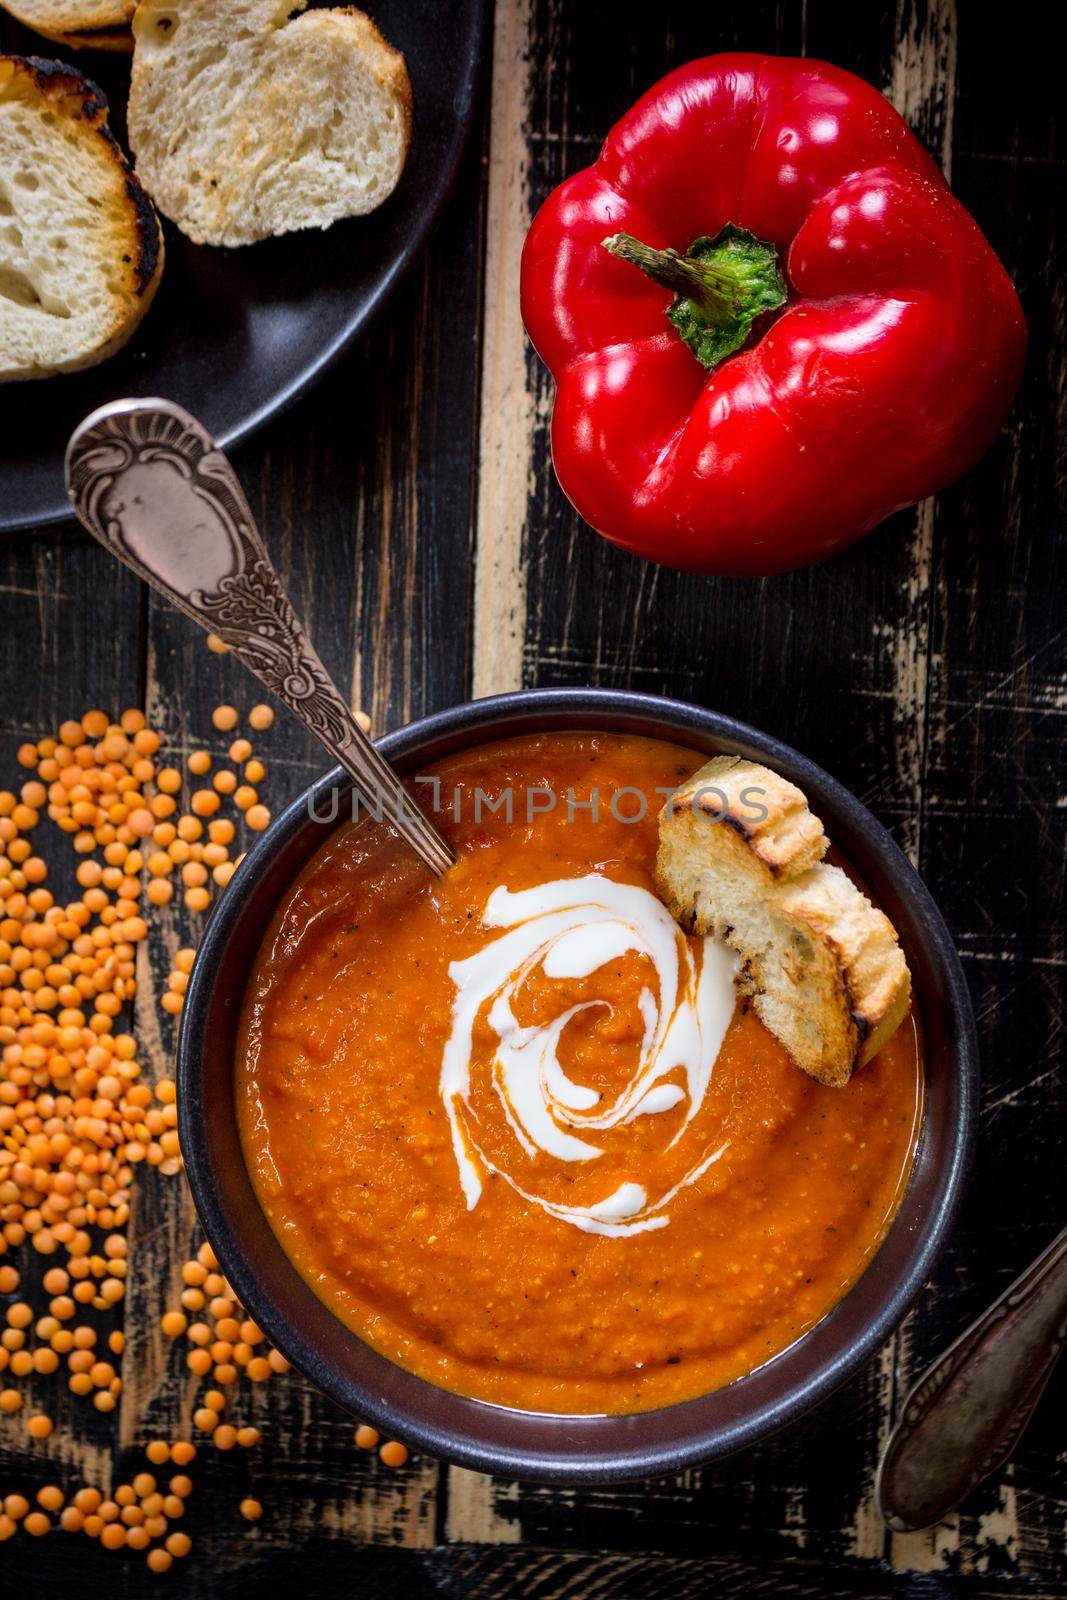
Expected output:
(573, 928)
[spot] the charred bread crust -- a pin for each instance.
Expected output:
(768, 813)
(149, 236)
(215, 195)
(821, 964)
(56, 80)
(875, 982)
(78, 97)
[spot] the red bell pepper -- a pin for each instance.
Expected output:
(770, 323)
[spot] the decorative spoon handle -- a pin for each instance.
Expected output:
(965, 1416)
(150, 483)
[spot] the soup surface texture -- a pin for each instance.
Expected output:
(511, 1125)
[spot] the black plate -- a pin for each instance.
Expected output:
(236, 335)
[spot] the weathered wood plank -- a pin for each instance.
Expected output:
(376, 570)
(249, 1569)
(922, 86)
(994, 827)
(850, 684)
(376, 566)
(508, 399)
(56, 662)
(596, 615)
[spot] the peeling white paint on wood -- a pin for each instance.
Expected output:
(795, 1524)
(930, 1550)
(481, 1510)
(997, 1536)
(508, 410)
(384, 1510)
(922, 88)
(867, 1535)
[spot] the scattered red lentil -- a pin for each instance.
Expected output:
(76, 1119)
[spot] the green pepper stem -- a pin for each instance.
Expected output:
(721, 287)
(712, 288)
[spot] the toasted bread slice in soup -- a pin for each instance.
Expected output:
(247, 119)
(740, 857)
(80, 24)
(80, 246)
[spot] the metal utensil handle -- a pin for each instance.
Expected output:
(148, 481)
(966, 1414)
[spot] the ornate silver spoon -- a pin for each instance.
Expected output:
(150, 483)
(965, 1416)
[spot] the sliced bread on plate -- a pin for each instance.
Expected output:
(255, 117)
(80, 246)
(80, 24)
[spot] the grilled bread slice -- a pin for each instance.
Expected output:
(80, 246)
(248, 119)
(740, 857)
(80, 24)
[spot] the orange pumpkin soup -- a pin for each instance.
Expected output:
(511, 1125)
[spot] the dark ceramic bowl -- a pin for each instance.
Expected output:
(562, 1449)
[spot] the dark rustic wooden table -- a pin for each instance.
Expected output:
(411, 505)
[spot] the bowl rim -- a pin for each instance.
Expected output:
(629, 1455)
